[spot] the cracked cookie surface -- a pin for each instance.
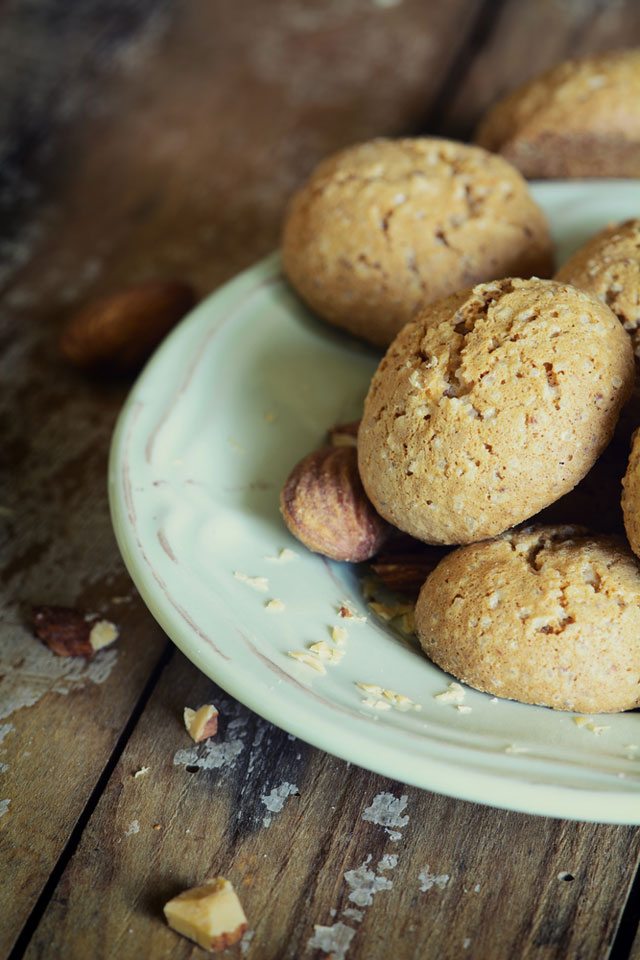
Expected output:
(389, 225)
(491, 405)
(608, 267)
(544, 615)
(579, 119)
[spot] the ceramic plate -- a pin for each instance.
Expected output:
(246, 385)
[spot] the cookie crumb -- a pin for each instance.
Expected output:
(339, 635)
(261, 584)
(274, 606)
(308, 659)
(455, 694)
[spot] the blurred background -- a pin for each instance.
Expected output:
(164, 136)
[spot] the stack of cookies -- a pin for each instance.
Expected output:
(499, 391)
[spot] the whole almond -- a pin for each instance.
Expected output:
(324, 505)
(118, 332)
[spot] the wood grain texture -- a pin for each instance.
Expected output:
(163, 139)
(512, 51)
(151, 139)
(500, 888)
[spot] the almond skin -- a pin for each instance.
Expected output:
(117, 333)
(325, 507)
(406, 573)
(68, 632)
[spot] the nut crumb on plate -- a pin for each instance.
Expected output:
(274, 606)
(261, 584)
(309, 659)
(455, 693)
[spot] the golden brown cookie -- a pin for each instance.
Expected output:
(580, 119)
(608, 267)
(489, 406)
(384, 227)
(546, 615)
(631, 495)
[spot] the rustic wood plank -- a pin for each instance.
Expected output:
(499, 890)
(525, 39)
(168, 150)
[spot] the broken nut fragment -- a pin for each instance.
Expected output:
(344, 434)
(324, 505)
(202, 723)
(211, 915)
(68, 632)
(118, 332)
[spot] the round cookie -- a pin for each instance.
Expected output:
(546, 615)
(580, 119)
(491, 405)
(608, 267)
(384, 227)
(631, 495)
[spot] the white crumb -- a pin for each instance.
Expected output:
(261, 584)
(455, 694)
(274, 606)
(308, 659)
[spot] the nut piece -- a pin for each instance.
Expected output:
(324, 505)
(70, 633)
(117, 333)
(202, 723)
(210, 915)
(344, 434)
(405, 573)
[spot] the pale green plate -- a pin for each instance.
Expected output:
(246, 385)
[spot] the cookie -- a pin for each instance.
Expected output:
(546, 615)
(384, 227)
(491, 405)
(580, 119)
(631, 495)
(608, 267)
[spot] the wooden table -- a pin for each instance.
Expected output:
(145, 138)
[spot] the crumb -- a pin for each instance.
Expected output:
(309, 659)
(375, 704)
(339, 635)
(594, 728)
(325, 652)
(285, 555)
(257, 583)
(455, 693)
(274, 606)
(143, 771)
(201, 724)
(461, 708)
(346, 611)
